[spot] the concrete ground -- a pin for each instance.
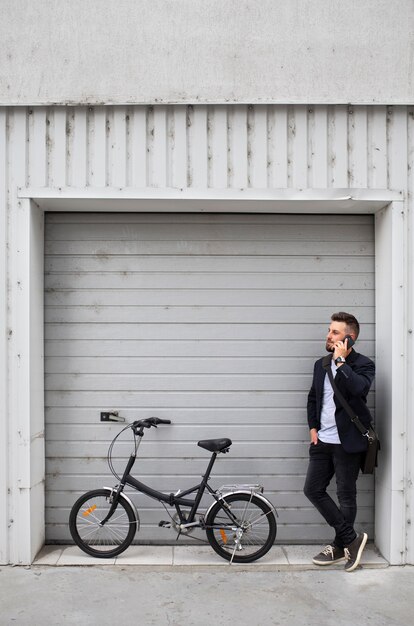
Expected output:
(197, 590)
(45, 595)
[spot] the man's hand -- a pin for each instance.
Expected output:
(341, 349)
(314, 436)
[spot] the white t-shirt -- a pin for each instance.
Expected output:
(328, 432)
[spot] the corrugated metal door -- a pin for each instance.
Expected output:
(212, 320)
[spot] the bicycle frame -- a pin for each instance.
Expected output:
(178, 499)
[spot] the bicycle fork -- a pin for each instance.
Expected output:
(116, 492)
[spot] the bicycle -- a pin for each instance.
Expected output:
(240, 524)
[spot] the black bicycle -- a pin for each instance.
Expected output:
(240, 524)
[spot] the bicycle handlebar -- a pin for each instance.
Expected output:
(148, 423)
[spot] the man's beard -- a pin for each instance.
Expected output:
(329, 348)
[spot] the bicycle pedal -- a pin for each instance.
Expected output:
(164, 524)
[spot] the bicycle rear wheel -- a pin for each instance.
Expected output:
(104, 541)
(241, 530)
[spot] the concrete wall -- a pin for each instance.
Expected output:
(189, 51)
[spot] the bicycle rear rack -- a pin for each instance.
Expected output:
(240, 487)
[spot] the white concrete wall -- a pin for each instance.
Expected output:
(192, 51)
(230, 153)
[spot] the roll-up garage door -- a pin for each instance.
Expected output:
(210, 320)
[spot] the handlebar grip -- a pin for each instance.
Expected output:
(158, 420)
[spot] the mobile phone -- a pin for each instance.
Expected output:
(350, 341)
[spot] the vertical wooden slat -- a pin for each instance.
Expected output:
(117, 148)
(70, 131)
(158, 173)
(257, 146)
(79, 148)
(178, 147)
(257, 149)
(138, 147)
(37, 157)
(358, 147)
(109, 133)
(57, 147)
(97, 147)
(338, 147)
(17, 151)
(377, 148)
(150, 131)
(278, 146)
(397, 148)
(298, 147)
(198, 146)
(318, 147)
(217, 132)
(238, 146)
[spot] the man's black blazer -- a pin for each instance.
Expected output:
(353, 379)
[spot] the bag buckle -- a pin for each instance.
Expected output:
(370, 438)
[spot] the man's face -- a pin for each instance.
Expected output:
(337, 332)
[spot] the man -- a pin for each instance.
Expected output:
(336, 444)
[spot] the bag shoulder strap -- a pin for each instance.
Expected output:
(326, 364)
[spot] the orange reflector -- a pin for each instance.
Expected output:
(223, 535)
(89, 511)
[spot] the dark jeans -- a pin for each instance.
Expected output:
(325, 460)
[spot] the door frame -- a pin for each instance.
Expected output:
(23, 441)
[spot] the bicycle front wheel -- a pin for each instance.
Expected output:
(87, 532)
(242, 528)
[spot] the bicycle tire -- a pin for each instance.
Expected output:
(101, 541)
(255, 523)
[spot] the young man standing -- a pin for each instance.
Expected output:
(336, 444)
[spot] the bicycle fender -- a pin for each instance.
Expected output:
(132, 505)
(245, 492)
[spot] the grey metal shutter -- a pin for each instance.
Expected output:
(211, 320)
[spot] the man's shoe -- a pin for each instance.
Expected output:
(329, 556)
(354, 551)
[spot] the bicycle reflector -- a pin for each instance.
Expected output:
(223, 535)
(89, 511)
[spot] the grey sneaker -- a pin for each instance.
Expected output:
(354, 551)
(329, 556)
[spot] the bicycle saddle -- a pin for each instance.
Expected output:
(215, 445)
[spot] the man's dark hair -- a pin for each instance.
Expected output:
(349, 320)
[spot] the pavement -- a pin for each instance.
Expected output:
(190, 585)
(279, 557)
